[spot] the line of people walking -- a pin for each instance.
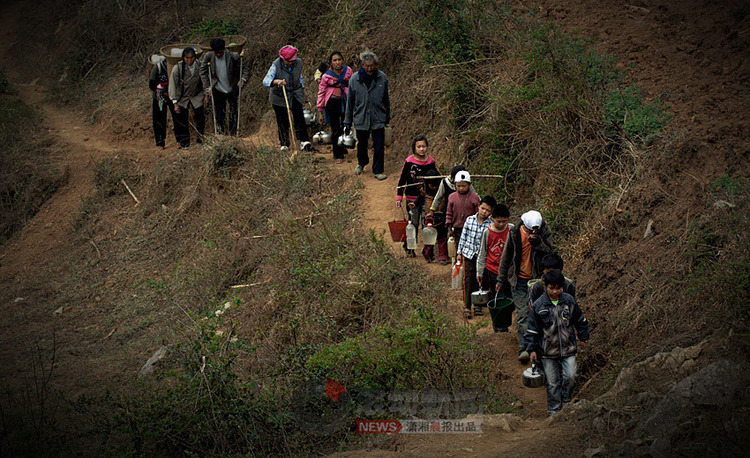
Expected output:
(510, 260)
(346, 99)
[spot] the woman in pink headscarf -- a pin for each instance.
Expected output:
(285, 74)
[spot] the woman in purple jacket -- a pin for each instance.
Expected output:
(332, 93)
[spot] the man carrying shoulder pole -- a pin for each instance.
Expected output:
(222, 79)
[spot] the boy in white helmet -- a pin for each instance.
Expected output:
(527, 244)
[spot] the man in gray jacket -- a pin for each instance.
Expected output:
(368, 107)
(185, 91)
(224, 83)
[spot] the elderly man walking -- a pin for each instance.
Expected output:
(369, 109)
(224, 83)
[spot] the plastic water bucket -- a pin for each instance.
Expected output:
(398, 230)
(501, 311)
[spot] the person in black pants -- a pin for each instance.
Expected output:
(332, 93)
(158, 83)
(222, 79)
(186, 91)
(284, 80)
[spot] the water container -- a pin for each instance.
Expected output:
(457, 276)
(429, 234)
(388, 136)
(411, 236)
(451, 247)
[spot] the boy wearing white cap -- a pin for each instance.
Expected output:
(461, 204)
(527, 244)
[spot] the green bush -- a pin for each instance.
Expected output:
(427, 350)
(640, 120)
(213, 27)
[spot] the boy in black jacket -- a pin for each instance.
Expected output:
(554, 321)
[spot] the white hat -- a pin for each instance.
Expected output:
(463, 175)
(532, 219)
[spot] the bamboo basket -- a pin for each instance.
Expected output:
(238, 40)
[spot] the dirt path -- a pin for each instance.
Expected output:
(78, 148)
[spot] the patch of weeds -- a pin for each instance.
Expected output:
(225, 156)
(213, 27)
(109, 174)
(731, 186)
(640, 120)
(445, 31)
(427, 351)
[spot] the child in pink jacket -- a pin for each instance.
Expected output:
(332, 93)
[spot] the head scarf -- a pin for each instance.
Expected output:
(288, 53)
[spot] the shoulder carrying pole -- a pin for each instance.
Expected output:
(239, 99)
(291, 121)
(210, 91)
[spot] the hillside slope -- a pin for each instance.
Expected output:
(682, 282)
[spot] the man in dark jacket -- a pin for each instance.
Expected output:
(553, 323)
(527, 244)
(224, 83)
(158, 83)
(368, 107)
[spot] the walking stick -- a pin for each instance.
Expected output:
(239, 98)
(210, 88)
(291, 120)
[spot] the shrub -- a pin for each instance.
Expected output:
(213, 27)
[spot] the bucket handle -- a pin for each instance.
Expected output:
(402, 213)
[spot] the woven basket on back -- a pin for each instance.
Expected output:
(234, 43)
(166, 51)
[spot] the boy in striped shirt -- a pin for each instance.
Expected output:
(468, 249)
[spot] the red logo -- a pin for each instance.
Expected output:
(378, 426)
(334, 389)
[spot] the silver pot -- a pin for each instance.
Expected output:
(479, 298)
(347, 141)
(309, 116)
(322, 138)
(533, 377)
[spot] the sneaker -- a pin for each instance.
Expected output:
(284, 149)
(305, 146)
(358, 170)
(478, 311)
(381, 176)
(523, 356)
(500, 329)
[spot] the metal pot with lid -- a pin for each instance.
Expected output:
(533, 377)
(309, 117)
(322, 138)
(481, 297)
(347, 140)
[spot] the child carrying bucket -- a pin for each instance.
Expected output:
(491, 249)
(417, 164)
